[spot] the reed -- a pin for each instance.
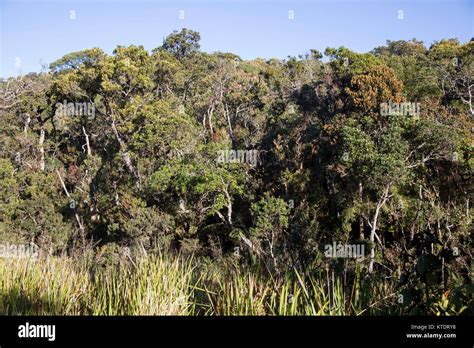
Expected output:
(165, 285)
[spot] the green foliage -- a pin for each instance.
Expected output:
(270, 214)
(182, 44)
(146, 171)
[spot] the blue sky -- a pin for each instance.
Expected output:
(35, 32)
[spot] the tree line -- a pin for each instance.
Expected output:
(110, 151)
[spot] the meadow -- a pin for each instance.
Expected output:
(164, 285)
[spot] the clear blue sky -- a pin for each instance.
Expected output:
(42, 31)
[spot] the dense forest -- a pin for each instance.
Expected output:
(237, 176)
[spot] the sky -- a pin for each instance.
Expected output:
(34, 33)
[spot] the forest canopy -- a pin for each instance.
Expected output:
(262, 162)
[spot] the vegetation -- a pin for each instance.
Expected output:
(158, 285)
(113, 166)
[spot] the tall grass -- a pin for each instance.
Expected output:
(150, 286)
(160, 285)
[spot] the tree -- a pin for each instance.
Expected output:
(182, 44)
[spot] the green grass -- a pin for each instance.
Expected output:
(154, 286)
(160, 285)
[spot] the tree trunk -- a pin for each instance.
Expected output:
(41, 149)
(229, 203)
(123, 149)
(27, 122)
(373, 230)
(361, 219)
(81, 227)
(87, 142)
